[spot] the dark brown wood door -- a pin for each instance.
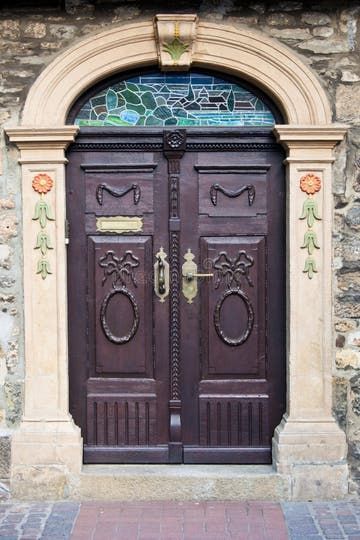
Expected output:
(195, 377)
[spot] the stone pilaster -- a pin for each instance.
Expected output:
(47, 448)
(308, 444)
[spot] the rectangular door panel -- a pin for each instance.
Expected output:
(251, 455)
(229, 421)
(232, 190)
(120, 305)
(233, 307)
(121, 420)
(122, 412)
(116, 192)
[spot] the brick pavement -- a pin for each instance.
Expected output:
(179, 520)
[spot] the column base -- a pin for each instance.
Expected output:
(313, 454)
(46, 459)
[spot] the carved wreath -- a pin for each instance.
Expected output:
(121, 270)
(233, 270)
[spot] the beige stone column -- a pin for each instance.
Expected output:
(308, 444)
(47, 448)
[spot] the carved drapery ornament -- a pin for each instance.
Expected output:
(175, 37)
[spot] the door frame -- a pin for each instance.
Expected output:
(308, 445)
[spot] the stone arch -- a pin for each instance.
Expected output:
(243, 53)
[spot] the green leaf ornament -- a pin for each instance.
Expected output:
(176, 49)
(310, 241)
(43, 213)
(310, 267)
(43, 268)
(43, 242)
(310, 211)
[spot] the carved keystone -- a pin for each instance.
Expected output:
(175, 36)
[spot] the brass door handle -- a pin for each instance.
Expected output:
(191, 275)
(161, 275)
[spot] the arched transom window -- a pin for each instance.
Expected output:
(174, 99)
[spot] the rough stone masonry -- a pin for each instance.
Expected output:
(324, 33)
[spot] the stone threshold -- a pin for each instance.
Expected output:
(181, 483)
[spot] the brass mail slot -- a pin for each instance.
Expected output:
(119, 224)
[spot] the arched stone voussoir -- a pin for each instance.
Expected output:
(243, 53)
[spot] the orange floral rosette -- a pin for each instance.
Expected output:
(42, 183)
(310, 184)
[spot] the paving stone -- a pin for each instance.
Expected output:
(180, 521)
(300, 536)
(333, 520)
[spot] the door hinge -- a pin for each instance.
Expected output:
(67, 232)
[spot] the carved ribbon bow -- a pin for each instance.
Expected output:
(233, 270)
(122, 269)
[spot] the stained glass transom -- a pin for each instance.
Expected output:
(166, 99)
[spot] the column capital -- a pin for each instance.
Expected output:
(24, 137)
(323, 135)
(42, 145)
(310, 143)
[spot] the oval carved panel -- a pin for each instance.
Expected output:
(119, 340)
(234, 342)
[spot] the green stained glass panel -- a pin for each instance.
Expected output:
(186, 99)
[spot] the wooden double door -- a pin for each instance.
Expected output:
(168, 366)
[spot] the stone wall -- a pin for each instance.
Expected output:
(325, 34)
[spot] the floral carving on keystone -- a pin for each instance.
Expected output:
(175, 36)
(42, 183)
(310, 184)
(176, 48)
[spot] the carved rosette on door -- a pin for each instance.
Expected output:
(121, 271)
(233, 271)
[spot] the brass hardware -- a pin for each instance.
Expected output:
(161, 275)
(119, 224)
(67, 232)
(190, 277)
